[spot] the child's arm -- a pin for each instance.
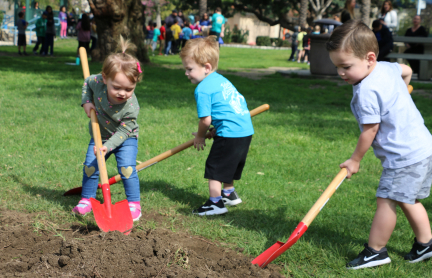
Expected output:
(203, 125)
(406, 73)
(365, 141)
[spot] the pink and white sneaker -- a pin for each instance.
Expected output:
(135, 209)
(84, 206)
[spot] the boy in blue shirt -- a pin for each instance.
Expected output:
(389, 122)
(22, 26)
(218, 21)
(221, 105)
(187, 33)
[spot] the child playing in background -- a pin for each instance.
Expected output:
(49, 32)
(63, 22)
(111, 95)
(84, 33)
(22, 40)
(187, 33)
(221, 105)
(40, 32)
(162, 37)
(156, 34)
(176, 30)
(390, 122)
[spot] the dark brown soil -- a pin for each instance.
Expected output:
(30, 248)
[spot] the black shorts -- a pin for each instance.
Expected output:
(22, 40)
(227, 158)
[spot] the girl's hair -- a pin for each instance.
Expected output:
(121, 61)
(349, 8)
(61, 8)
(353, 37)
(202, 51)
(48, 7)
(85, 22)
(382, 7)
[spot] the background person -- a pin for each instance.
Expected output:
(294, 43)
(348, 11)
(49, 33)
(84, 33)
(384, 38)
(217, 23)
(415, 48)
(40, 32)
(63, 22)
(22, 40)
(388, 15)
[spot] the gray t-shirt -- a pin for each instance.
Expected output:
(382, 97)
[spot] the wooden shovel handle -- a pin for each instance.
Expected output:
(319, 204)
(84, 62)
(98, 143)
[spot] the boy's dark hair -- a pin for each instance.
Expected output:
(187, 23)
(175, 20)
(20, 14)
(376, 23)
(163, 22)
(218, 10)
(155, 25)
(353, 37)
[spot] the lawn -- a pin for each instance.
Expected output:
(296, 149)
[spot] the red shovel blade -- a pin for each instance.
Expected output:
(279, 247)
(120, 218)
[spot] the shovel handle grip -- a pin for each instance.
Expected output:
(84, 62)
(322, 200)
(98, 143)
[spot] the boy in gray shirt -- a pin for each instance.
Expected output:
(22, 26)
(389, 122)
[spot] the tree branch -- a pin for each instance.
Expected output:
(258, 14)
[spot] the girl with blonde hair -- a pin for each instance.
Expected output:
(111, 94)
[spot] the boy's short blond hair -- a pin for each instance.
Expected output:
(353, 37)
(202, 50)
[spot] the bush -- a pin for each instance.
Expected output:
(276, 42)
(227, 35)
(263, 41)
(236, 35)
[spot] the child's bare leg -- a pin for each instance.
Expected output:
(228, 185)
(383, 223)
(419, 220)
(215, 188)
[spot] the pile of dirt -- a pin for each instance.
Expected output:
(29, 249)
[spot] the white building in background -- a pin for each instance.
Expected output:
(256, 27)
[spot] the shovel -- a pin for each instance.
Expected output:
(279, 247)
(108, 217)
(162, 156)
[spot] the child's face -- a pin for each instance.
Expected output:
(351, 68)
(120, 88)
(196, 73)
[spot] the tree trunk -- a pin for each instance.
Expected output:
(202, 7)
(320, 6)
(118, 17)
(365, 11)
(303, 12)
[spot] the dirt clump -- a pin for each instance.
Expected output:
(29, 251)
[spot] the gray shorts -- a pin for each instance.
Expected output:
(406, 184)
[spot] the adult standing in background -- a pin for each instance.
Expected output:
(388, 16)
(348, 11)
(181, 19)
(294, 43)
(417, 48)
(205, 20)
(218, 21)
(169, 20)
(384, 38)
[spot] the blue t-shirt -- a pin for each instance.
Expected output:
(217, 97)
(382, 97)
(217, 21)
(156, 34)
(205, 22)
(187, 32)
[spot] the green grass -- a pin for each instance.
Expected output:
(238, 58)
(297, 147)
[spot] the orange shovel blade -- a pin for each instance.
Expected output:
(120, 220)
(279, 247)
